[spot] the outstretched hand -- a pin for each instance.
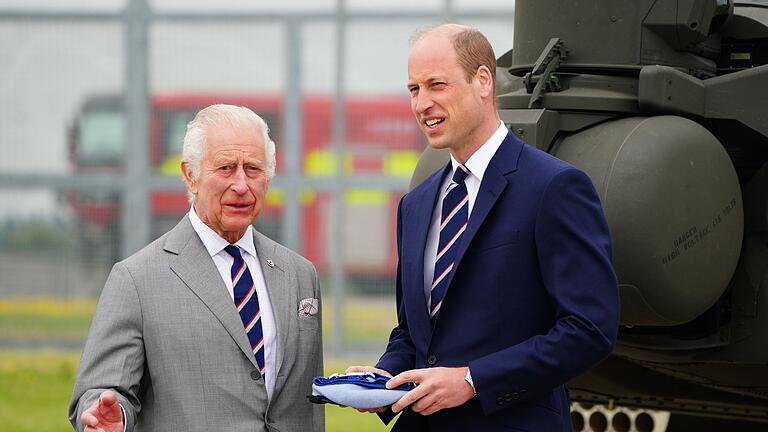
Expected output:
(104, 415)
(437, 388)
(358, 369)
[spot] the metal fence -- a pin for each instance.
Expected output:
(93, 101)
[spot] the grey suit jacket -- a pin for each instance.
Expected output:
(167, 338)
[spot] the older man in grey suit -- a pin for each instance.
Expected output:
(213, 326)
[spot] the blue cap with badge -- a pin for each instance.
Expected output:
(357, 390)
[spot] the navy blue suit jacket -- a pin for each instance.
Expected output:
(531, 303)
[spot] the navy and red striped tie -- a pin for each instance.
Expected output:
(453, 223)
(247, 303)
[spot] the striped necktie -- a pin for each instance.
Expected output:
(453, 223)
(247, 303)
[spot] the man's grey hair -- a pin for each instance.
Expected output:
(220, 115)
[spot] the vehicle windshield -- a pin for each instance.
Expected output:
(102, 138)
(174, 127)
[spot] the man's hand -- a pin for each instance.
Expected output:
(438, 388)
(104, 415)
(358, 369)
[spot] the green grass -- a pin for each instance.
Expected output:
(40, 319)
(32, 328)
(35, 387)
(367, 321)
(339, 419)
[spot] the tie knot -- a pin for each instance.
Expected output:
(234, 251)
(460, 174)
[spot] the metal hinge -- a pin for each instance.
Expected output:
(541, 79)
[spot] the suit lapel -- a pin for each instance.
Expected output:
(417, 219)
(279, 294)
(194, 266)
(494, 182)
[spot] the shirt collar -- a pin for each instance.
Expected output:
(478, 162)
(213, 241)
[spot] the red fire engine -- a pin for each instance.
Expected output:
(381, 138)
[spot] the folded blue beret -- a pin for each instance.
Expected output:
(357, 390)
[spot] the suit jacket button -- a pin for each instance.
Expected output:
(515, 395)
(499, 400)
(255, 375)
(431, 360)
(507, 397)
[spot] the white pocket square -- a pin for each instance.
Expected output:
(308, 307)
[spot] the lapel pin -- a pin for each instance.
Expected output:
(270, 263)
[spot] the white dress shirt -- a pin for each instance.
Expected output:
(477, 163)
(223, 260)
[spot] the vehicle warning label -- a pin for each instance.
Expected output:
(695, 234)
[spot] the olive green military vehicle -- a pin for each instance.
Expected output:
(664, 104)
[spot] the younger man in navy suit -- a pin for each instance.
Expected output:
(505, 289)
